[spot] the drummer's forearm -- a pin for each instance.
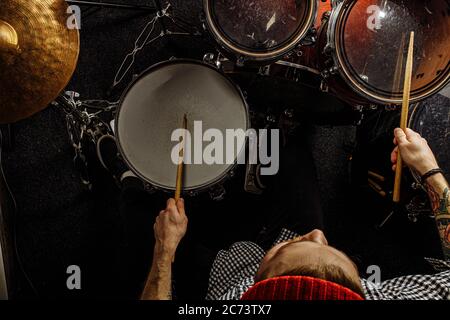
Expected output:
(159, 282)
(439, 193)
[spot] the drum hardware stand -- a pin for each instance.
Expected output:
(325, 74)
(415, 208)
(287, 124)
(76, 123)
(295, 66)
(385, 221)
(82, 125)
(418, 207)
(253, 183)
(252, 179)
(144, 39)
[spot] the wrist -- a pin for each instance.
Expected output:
(437, 179)
(162, 253)
(424, 167)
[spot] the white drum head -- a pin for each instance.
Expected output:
(154, 106)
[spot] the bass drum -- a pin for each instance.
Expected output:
(432, 121)
(259, 31)
(364, 43)
(153, 107)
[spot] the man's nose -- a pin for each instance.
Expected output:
(317, 236)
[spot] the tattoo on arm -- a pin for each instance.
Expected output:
(440, 204)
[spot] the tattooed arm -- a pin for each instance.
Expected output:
(417, 155)
(170, 227)
(439, 193)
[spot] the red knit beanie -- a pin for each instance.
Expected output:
(298, 288)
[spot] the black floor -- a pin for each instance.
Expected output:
(60, 222)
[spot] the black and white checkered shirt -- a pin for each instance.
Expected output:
(234, 269)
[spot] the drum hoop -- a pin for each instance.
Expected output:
(333, 39)
(312, 14)
(203, 187)
(413, 113)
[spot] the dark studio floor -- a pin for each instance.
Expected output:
(60, 222)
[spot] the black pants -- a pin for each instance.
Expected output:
(291, 201)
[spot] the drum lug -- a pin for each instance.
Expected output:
(210, 58)
(326, 16)
(310, 39)
(192, 193)
(328, 50)
(364, 77)
(390, 108)
(333, 70)
(149, 188)
(324, 86)
(329, 72)
(202, 19)
(264, 71)
(240, 62)
(360, 110)
(217, 193)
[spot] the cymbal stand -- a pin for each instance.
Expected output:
(83, 125)
(149, 35)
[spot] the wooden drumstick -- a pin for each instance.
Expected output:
(404, 116)
(179, 183)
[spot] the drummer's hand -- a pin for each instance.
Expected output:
(414, 150)
(170, 227)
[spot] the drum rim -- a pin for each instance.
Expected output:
(260, 56)
(333, 39)
(196, 189)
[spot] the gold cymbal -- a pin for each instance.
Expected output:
(38, 55)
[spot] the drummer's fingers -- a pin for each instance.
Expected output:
(411, 134)
(171, 204)
(394, 155)
(400, 136)
(180, 206)
(394, 167)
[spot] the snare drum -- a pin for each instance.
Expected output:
(259, 31)
(364, 45)
(154, 106)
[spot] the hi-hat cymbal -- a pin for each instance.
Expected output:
(38, 55)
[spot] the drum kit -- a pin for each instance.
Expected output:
(353, 49)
